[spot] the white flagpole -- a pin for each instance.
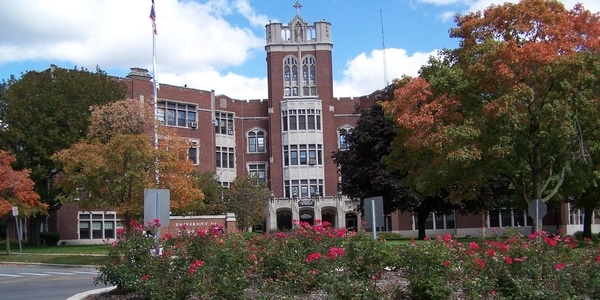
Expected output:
(155, 91)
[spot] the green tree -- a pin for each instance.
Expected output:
(513, 100)
(247, 197)
(213, 194)
(42, 113)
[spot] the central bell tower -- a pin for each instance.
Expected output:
(300, 91)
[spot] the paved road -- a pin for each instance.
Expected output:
(25, 282)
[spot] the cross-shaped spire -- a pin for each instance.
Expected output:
(297, 6)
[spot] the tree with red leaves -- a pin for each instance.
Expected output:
(518, 98)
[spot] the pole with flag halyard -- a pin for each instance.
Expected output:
(155, 88)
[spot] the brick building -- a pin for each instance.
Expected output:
(287, 141)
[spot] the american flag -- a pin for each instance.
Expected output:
(153, 18)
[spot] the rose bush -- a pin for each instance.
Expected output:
(212, 264)
(539, 266)
(340, 264)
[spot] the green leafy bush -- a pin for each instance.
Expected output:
(50, 238)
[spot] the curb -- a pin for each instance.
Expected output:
(81, 296)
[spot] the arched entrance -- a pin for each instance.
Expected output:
(351, 221)
(307, 216)
(284, 220)
(329, 216)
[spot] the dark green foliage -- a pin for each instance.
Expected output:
(213, 194)
(50, 238)
(247, 198)
(42, 113)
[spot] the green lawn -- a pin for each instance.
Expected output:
(69, 255)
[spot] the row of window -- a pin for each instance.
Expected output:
(224, 123)
(496, 218)
(309, 76)
(301, 119)
(311, 154)
(225, 157)
(98, 225)
(177, 114)
(297, 189)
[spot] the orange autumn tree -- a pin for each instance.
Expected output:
(17, 189)
(518, 99)
(118, 161)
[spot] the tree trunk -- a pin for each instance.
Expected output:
(421, 219)
(588, 215)
(33, 230)
(7, 245)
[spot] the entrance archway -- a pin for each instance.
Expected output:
(307, 216)
(351, 222)
(284, 220)
(329, 216)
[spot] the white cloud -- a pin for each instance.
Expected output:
(447, 16)
(480, 5)
(232, 85)
(197, 42)
(194, 39)
(246, 10)
(364, 74)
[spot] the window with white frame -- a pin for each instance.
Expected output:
(193, 152)
(259, 171)
(342, 138)
(224, 123)
(437, 221)
(507, 217)
(309, 73)
(301, 119)
(304, 154)
(225, 157)
(98, 225)
(304, 188)
(256, 141)
(177, 114)
(290, 76)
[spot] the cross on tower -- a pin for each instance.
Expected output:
(297, 6)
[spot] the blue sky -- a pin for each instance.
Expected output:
(219, 44)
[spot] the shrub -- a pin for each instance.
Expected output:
(337, 264)
(539, 266)
(211, 264)
(50, 238)
(389, 236)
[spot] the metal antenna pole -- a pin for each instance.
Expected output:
(385, 79)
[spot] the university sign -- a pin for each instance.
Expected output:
(195, 223)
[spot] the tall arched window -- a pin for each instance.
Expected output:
(309, 76)
(342, 137)
(290, 76)
(256, 141)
